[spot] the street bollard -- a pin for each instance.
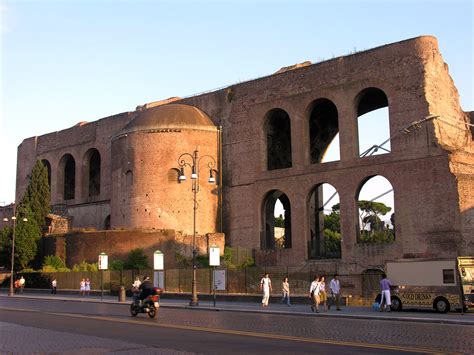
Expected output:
(121, 296)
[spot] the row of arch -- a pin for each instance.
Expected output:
(376, 218)
(323, 128)
(65, 173)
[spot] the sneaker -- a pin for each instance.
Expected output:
(317, 311)
(338, 309)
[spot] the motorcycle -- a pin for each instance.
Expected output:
(149, 305)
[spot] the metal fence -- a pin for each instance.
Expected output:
(238, 281)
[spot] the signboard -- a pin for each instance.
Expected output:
(158, 263)
(214, 256)
(159, 279)
(219, 280)
(103, 261)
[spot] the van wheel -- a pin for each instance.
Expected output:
(396, 304)
(441, 305)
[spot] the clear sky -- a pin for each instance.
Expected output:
(68, 61)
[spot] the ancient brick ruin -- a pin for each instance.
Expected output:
(268, 137)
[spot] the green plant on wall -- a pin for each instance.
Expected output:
(84, 266)
(137, 260)
(53, 263)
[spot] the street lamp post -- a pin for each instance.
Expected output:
(194, 162)
(13, 218)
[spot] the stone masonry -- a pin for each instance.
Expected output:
(430, 166)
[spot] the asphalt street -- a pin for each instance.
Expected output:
(65, 326)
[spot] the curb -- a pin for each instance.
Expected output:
(258, 311)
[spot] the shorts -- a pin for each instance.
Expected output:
(323, 297)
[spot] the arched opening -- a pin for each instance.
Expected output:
(107, 222)
(373, 122)
(48, 168)
(323, 132)
(278, 132)
(92, 165)
(324, 223)
(129, 178)
(276, 224)
(67, 169)
(376, 211)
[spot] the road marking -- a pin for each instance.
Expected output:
(239, 332)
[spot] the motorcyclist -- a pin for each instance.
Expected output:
(135, 290)
(146, 288)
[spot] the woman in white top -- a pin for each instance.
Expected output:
(82, 287)
(314, 294)
(88, 286)
(285, 288)
(266, 287)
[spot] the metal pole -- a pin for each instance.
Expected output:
(10, 293)
(194, 298)
(214, 284)
(101, 285)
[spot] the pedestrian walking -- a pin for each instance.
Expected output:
(22, 283)
(314, 294)
(385, 299)
(87, 286)
(266, 287)
(82, 287)
(323, 296)
(54, 285)
(17, 285)
(335, 288)
(285, 288)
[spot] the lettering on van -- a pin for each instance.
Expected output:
(417, 296)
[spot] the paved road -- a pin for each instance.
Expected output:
(59, 326)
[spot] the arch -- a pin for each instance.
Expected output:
(276, 231)
(129, 178)
(373, 122)
(67, 180)
(324, 223)
(92, 165)
(323, 131)
(48, 168)
(107, 222)
(376, 212)
(173, 176)
(278, 135)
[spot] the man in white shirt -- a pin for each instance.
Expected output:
(335, 292)
(266, 287)
(22, 284)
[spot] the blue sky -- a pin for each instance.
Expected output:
(68, 61)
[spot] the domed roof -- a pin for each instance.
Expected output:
(171, 116)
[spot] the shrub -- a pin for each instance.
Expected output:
(54, 262)
(84, 266)
(116, 265)
(137, 260)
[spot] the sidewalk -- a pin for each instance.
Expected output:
(274, 308)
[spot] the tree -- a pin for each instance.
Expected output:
(371, 212)
(34, 206)
(27, 236)
(37, 195)
(137, 260)
(280, 221)
(373, 229)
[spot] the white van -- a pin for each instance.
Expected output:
(442, 284)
